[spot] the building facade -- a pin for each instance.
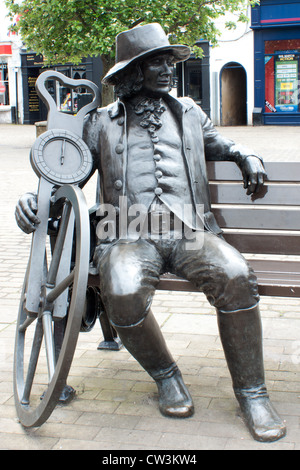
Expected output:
(11, 102)
(232, 74)
(222, 81)
(276, 26)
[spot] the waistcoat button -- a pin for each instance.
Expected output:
(158, 191)
(119, 148)
(118, 184)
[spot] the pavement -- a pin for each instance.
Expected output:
(116, 405)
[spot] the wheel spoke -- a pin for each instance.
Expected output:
(59, 244)
(49, 342)
(35, 352)
(57, 290)
(26, 324)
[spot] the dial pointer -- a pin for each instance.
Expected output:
(62, 156)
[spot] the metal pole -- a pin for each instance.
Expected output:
(17, 97)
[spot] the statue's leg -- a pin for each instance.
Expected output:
(146, 343)
(129, 273)
(230, 285)
(241, 336)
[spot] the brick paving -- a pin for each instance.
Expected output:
(116, 404)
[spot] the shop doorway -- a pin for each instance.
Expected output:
(193, 78)
(233, 95)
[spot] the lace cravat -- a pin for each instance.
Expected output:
(150, 111)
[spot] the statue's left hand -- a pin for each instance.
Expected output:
(25, 213)
(254, 174)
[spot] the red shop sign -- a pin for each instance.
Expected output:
(2, 88)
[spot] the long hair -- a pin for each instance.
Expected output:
(129, 81)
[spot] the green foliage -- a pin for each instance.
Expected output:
(67, 30)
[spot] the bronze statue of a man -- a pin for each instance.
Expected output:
(150, 150)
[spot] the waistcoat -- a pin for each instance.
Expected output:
(156, 168)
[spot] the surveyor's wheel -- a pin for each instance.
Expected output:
(42, 361)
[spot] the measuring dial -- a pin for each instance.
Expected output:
(61, 157)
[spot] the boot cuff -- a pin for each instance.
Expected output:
(251, 393)
(165, 373)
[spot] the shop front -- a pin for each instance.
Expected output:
(5, 108)
(192, 78)
(277, 62)
(68, 100)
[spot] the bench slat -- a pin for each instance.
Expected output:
(277, 278)
(279, 291)
(266, 285)
(276, 171)
(285, 267)
(249, 217)
(264, 243)
(284, 194)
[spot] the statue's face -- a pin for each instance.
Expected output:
(158, 72)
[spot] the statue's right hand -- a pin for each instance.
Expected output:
(25, 212)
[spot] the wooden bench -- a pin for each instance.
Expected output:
(265, 228)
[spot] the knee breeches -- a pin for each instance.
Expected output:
(129, 273)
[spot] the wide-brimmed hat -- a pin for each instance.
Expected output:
(140, 42)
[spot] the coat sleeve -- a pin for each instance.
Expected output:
(91, 137)
(218, 147)
(91, 134)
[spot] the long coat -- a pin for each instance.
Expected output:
(105, 133)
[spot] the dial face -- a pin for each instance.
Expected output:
(61, 157)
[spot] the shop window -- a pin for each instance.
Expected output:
(4, 88)
(282, 76)
(70, 100)
(194, 84)
(193, 78)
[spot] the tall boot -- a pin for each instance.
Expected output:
(241, 336)
(147, 345)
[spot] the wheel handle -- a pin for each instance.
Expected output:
(58, 119)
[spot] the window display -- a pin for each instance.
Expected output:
(282, 83)
(4, 89)
(69, 100)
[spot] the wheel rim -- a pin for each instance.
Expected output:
(36, 395)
